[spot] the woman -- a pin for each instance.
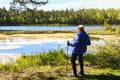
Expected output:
(81, 40)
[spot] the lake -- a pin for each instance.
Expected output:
(47, 27)
(22, 45)
(13, 48)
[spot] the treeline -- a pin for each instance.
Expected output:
(71, 17)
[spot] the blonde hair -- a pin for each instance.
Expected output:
(81, 28)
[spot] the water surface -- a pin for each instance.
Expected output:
(47, 27)
(32, 46)
(19, 45)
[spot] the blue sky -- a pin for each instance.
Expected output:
(75, 4)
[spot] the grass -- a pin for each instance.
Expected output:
(59, 73)
(91, 32)
(11, 32)
(100, 32)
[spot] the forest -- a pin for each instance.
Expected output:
(57, 17)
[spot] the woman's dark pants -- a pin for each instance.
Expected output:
(73, 59)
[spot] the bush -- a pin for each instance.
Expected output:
(118, 30)
(108, 56)
(53, 57)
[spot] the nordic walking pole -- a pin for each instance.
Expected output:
(67, 60)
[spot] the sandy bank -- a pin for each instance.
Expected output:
(59, 35)
(107, 37)
(56, 35)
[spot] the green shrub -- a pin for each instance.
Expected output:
(53, 57)
(90, 58)
(108, 56)
(118, 30)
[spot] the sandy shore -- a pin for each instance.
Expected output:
(56, 35)
(107, 37)
(59, 35)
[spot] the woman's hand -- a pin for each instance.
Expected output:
(68, 42)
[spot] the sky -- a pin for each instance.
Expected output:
(72, 4)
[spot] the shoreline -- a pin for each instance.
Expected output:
(8, 58)
(55, 35)
(58, 35)
(107, 37)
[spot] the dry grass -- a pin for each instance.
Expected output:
(59, 73)
(55, 35)
(59, 35)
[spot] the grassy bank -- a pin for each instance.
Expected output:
(91, 32)
(11, 32)
(103, 65)
(58, 73)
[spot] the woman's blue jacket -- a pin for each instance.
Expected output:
(81, 40)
